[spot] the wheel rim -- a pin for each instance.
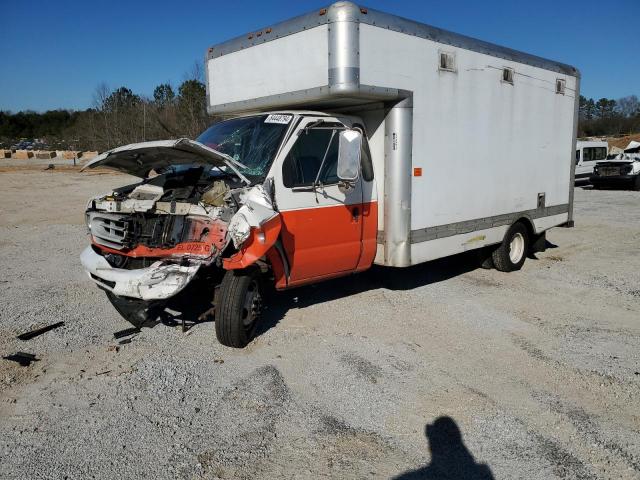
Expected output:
(516, 248)
(252, 305)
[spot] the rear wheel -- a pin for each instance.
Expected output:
(512, 252)
(238, 307)
(140, 313)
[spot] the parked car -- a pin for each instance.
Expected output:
(622, 171)
(588, 152)
(337, 159)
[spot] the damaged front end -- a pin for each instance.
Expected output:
(149, 243)
(149, 240)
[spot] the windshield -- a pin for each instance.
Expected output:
(251, 141)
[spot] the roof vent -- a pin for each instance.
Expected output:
(447, 62)
(560, 85)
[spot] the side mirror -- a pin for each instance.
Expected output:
(349, 155)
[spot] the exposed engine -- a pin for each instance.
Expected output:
(181, 213)
(163, 229)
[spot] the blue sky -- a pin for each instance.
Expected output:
(53, 54)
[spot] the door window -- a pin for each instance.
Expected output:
(300, 167)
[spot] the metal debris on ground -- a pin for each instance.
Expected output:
(24, 359)
(38, 331)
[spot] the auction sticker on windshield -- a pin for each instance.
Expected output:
(284, 119)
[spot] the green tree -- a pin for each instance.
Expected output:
(192, 108)
(628, 106)
(163, 95)
(121, 99)
(605, 108)
(587, 108)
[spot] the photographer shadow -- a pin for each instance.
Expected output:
(450, 458)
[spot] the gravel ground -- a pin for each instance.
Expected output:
(439, 371)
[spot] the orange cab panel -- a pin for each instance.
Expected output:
(322, 241)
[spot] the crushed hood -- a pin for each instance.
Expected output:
(139, 159)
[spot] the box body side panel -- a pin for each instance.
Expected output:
(289, 64)
(486, 147)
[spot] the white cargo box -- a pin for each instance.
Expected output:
(466, 137)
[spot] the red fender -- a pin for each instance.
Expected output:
(253, 248)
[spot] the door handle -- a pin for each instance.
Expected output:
(355, 213)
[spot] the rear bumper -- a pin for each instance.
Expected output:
(158, 282)
(613, 181)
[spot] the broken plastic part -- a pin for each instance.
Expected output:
(159, 281)
(239, 228)
(126, 332)
(38, 331)
(256, 210)
(259, 242)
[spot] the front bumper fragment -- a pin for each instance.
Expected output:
(620, 181)
(158, 282)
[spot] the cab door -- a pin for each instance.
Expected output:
(321, 226)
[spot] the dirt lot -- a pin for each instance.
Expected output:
(440, 371)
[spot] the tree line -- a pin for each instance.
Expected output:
(608, 117)
(119, 116)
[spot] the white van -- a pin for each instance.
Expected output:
(353, 137)
(588, 152)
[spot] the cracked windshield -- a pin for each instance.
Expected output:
(251, 141)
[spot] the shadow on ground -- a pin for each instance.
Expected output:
(450, 458)
(194, 305)
(377, 277)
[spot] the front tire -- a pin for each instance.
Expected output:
(238, 307)
(512, 252)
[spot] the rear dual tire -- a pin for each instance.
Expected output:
(512, 252)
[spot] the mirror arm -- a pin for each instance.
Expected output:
(324, 158)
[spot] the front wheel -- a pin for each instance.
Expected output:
(238, 307)
(512, 252)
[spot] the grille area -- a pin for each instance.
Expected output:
(108, 229)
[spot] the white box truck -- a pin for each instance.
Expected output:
(351, 137)
(588, 152)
